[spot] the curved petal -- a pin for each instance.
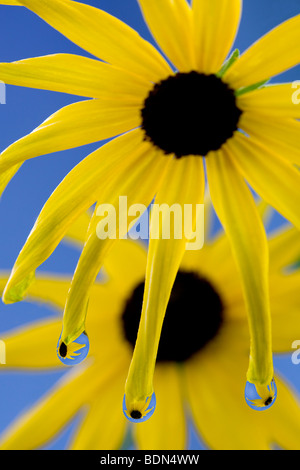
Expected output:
(274, 100)
(238, 214)
(166, 430)
(165, 254)
(47, 288)
(216, 24)
(76, 235)
(274, 179)
(77, 75)
(6, 176)
(102, 35)
(277, 51)
(76, 193)
(148, 167)
(171, 24)
(72, 126)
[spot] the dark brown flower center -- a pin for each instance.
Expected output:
(193, 317)
(190, 114)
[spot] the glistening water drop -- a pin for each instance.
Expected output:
(260, 397)
(75, 352)
(140, 415)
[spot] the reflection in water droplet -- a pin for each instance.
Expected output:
(260, 397)
(75, 352)
(142, 415)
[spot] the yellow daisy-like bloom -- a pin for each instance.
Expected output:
(202, 356)
(167, 119)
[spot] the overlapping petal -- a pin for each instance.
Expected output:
(281, 136)
(77, 75)
(72, 126)
(158, 432)
(102, 35)
(273, 101)
(219, 410)
(215, 27)
(76, 193)
(148, 166)
(41, 423)
(171, 24)
(274, 53)
(104, 424)
(272, 177)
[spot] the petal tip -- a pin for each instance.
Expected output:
(16, 292)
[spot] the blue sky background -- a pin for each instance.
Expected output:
(22, 34)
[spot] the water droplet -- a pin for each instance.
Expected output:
(142, 415)
(75, 352)
(260, 397)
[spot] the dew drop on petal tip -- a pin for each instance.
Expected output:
(261, 399)
(75, 352)
(136, 416)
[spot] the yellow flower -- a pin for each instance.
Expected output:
(169, 119)
(201, 360)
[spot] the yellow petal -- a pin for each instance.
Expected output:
(284, 248)
(39, 424)
(215, 383)
(215, 395)
(102, 35)
(76, 193)
(164, 259)
(145, 165)
(104, 425)
(277, 51)
(125, 265)
(216, 24)
(33, 346)
(238, 214)
(279, 135)
(284, 418)
(285, 300)
(171, 24)
(76, 235)
(77, 75)
(6, 176)
(166, 430)
(11, 2)
(72, 126)
(274, 100)
(274, 179)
